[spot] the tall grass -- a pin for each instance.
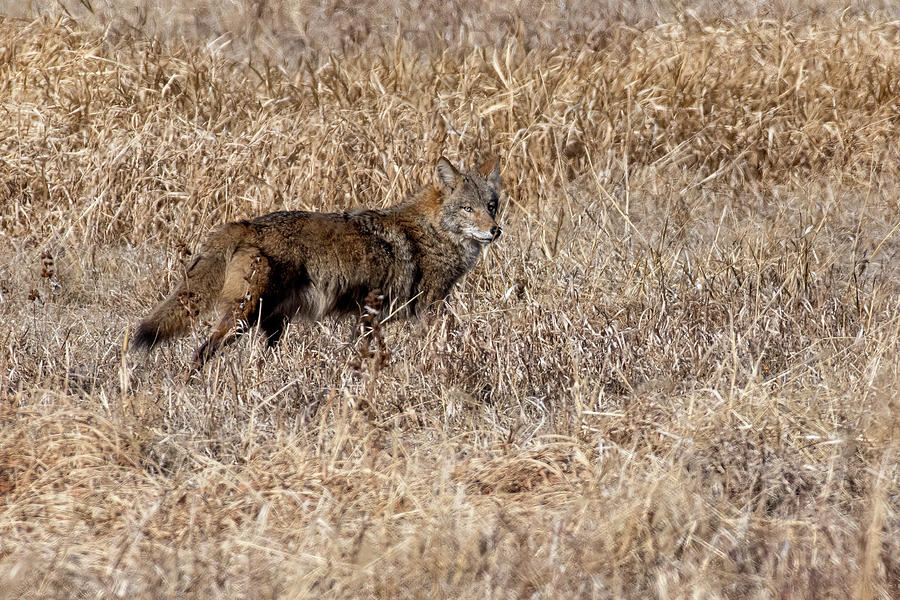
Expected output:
(674, 375)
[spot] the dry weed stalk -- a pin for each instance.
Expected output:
(369, 335)
(187, 299)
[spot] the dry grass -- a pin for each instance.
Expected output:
(674, 376)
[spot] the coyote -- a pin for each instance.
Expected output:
(284, 264)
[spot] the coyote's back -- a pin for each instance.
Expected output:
(272, 268)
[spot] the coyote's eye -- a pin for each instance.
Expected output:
(467, 208)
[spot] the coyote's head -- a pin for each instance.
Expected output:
(469, 209)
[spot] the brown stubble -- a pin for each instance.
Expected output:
(672, 376)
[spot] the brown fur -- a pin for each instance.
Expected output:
(296, 263)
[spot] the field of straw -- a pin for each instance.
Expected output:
(674, 376)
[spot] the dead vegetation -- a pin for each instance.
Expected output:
(674, 376)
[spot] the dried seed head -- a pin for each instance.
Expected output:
(46, 265)
(190, 302)
(182, 250)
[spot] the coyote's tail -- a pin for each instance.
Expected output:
(197, 293)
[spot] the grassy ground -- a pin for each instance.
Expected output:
(674, 376)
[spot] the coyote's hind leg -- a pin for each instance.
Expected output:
(273, 327)
(246, 278)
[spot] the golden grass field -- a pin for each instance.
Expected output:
(674, 376)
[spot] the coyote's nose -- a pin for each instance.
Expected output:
(495, 232)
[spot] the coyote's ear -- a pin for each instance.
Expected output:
(447, 173)
(490, 170)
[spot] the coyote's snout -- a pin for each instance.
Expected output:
(272, 268)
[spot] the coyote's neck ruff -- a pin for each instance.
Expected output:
(284, 264)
